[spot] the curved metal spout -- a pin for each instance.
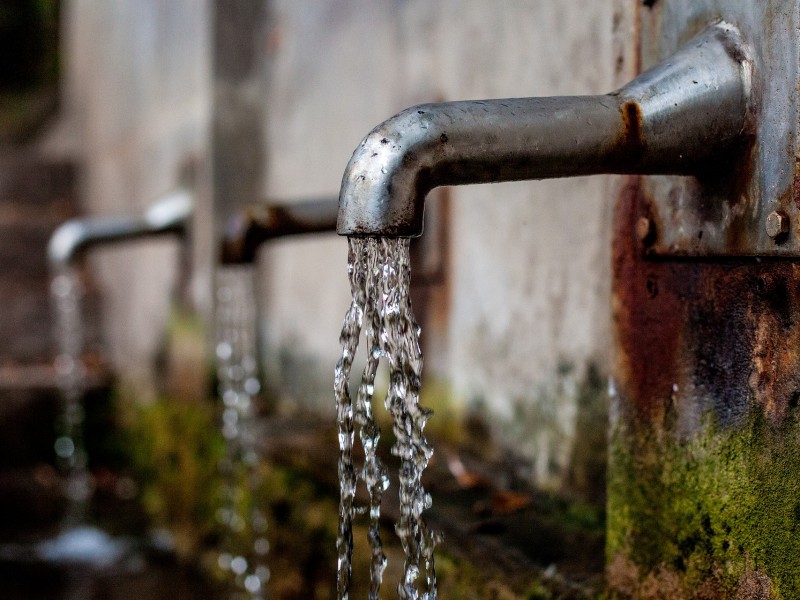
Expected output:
(262, 222)
(670, 120)
(169, 215)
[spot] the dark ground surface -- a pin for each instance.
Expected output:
(501, 539)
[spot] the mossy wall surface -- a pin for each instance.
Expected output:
(703, 487)
(707, 515)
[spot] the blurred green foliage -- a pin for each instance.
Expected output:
(175, 448)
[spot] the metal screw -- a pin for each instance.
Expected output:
(777, 224)
(645, 230)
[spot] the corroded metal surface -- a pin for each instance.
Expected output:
(724, 211)
(706, 307)
(259, 223)
(715, 332)
(697, 337)
(705, 408)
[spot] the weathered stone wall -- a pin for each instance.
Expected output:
(136, 106)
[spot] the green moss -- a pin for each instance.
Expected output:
(175, 449)
(538, 591)
(185, 370)
(711, 509)
(459, 578)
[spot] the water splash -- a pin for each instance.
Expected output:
(379, 280)
(67, 293)
(245, 545)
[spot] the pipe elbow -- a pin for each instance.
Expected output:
(66, 243)
(246, 231)
(243, 235)
(171, 213)
(386, 180)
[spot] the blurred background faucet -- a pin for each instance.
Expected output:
(264, 221)
(169, 215)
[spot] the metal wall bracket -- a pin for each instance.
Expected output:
(748, 204)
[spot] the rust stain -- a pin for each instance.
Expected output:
(701, 336)
(773, 317)
(638, 50)
(647, 314)
(733, 177)
(630, 141)
(632, 120)
(796, 185)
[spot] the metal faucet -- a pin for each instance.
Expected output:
(259, 223)
(169, 215)
(675, 119)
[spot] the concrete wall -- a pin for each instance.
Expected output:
(525, 311)
(136, 109)
(529, 262)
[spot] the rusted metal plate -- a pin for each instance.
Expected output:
(748, 205)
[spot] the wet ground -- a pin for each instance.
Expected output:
(501, 539)
(140, 577)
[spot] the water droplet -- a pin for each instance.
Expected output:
(224, 351)
(239, 565)
(263, 573)
(252, 583)
(64, 447)
(252, 386)
(224, 561)
(230, 417)
(261, 546)
(230, 398)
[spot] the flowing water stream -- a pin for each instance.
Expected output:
(380, 275)
(77, 541)
(67, 297)
(245, 544)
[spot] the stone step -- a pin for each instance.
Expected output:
(31, 183)
(36, 196)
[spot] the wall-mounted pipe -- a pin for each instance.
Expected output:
(169, 215)
(259, 223)
(672, 119)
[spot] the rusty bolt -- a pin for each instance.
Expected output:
(777, 224)
(645, 230)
